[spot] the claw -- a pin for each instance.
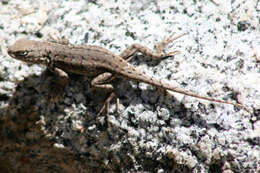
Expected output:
(173, 53)
(159, 47)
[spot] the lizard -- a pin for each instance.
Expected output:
(62, 58)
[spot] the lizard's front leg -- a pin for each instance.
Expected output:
(55, 83)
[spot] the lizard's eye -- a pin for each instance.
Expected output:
(22, 53)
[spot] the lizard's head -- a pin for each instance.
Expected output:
(28, 51)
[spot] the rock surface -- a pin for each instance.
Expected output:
(220, 57)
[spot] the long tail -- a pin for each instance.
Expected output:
(141, 77)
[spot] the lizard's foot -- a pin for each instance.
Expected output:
(51, 86)
(159, 47)
(158, 53)
(55, 92)
(107, 105)
(51, 91)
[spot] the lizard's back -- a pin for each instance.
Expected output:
(94, 60)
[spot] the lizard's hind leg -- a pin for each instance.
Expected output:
(158, 53)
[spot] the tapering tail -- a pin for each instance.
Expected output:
(141, 77)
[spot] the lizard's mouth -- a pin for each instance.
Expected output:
(10, 53)
(17, 57)
(20, 58)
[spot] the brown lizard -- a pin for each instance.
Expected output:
(61, 57)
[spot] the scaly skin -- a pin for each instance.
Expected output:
(97, 61)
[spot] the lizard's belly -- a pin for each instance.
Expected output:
(82, 70)
(87, 72)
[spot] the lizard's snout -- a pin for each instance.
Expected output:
(10, 52)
